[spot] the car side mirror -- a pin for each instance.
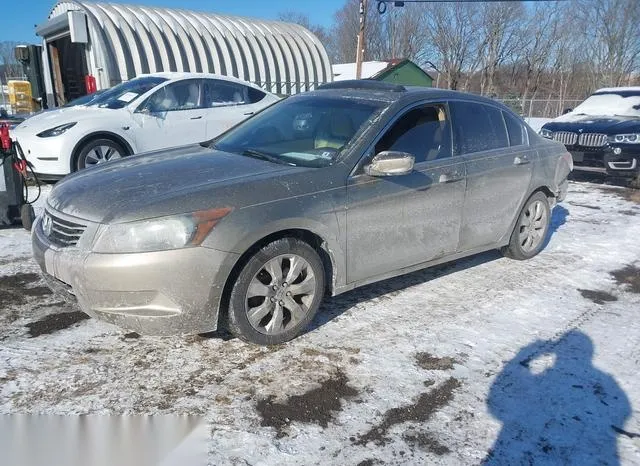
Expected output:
(390, 163)
(566, 110)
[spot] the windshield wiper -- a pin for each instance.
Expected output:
(258, 154)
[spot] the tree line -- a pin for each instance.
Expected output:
(555, 49)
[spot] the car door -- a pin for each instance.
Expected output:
(172, 116)
(399, 221)
(227, 103)
(498, 174)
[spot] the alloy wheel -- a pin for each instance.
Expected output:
(101, 154)
(533, 225)
(280, 294)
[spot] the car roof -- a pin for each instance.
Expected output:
(178, 75)
(619, 89)
(395, 93)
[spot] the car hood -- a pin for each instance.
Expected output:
(594, 124)
(154, 184)
(52, 118)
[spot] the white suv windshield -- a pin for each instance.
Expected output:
(120, 95)
(622, 103)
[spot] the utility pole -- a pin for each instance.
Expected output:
(360, 50)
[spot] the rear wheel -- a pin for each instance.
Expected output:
(531, 228)
(98, 151)
(277, 293)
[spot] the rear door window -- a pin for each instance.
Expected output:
(516, 130)
(424, 132)
(477, 128)
(219, 93)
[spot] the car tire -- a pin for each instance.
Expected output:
(27, 216)
(97, 151)
(266, 309)
(635, 182)
(530, 233)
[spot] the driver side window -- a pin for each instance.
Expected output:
(182, 95)
(424, 132)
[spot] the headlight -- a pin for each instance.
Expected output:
(159, 234)
(545, 133)
(633, 138)
(57, 131)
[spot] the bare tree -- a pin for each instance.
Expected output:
(11, 68)
(322, 33)
(500, 27)
(345, 33)
(612, 31)
(451, 36)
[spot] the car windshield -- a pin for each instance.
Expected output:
(122, 94)
(308, 131)
(85, 99)
(623, 103)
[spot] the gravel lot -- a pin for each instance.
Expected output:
(482, 360)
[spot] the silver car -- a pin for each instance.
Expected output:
(318, 194)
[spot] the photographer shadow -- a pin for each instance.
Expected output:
(556, 407)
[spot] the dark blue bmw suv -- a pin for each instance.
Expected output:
(603, 132)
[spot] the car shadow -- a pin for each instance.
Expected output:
(559, 216)
(333, 307)
(556, 407)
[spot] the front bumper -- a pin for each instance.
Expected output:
(49, 157)
(624, 164)
(153, 293)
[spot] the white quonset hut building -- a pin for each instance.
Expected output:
(116, 42)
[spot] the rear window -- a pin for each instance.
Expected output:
(515, 129)
(255, 95)
(477, 128)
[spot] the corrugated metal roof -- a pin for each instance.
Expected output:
(128, 40)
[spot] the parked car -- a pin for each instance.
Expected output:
(321, 193)
(603, 132)
(151, 112)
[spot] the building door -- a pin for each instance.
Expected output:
(68, 68)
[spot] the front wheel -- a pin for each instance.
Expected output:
(99, 151)
(531, 228)
(277, 293)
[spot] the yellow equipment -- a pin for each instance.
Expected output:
(20, 97)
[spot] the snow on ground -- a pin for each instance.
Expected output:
(537, 123)
(486, 359)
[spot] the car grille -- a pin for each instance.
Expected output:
(565, 137)
(592, 140)
(61, 232)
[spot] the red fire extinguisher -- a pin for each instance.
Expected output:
(90, 84)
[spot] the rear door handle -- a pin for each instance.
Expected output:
(248, 113)
(449, 177)
(521, 161)
(196, 118)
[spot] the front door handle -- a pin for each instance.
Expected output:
(248, 113)
(449, 177)
(196, 117)
(521, 161)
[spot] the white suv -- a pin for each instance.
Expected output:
(151, 112)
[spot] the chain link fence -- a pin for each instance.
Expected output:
(539, 108)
